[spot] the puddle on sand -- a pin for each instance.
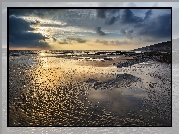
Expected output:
(117, 100)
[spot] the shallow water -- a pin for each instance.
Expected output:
(48, 90)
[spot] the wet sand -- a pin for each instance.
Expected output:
(56, 91)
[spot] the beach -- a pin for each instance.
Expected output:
(88, 89)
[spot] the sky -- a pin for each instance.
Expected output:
(88, 29)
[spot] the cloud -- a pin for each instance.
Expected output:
(127, 34)
(54, 39)
(44, 13)
(123, 31)
(127, 17)
(110, 15)
(68, 23)
(22, 35)
(151, 28)
(21, 12)
(158, 27)
(29, 43)
(69, 40)
(111, 20)
(120, 42)
(53, 25)
(98, 31)
(63, 42)
(101, 41)
(101, 13)
(79, 40)
(114, 42)
(17, 25)
(123, 16)
(148, 14)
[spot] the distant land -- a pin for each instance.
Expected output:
(160, 52)
(160, 47)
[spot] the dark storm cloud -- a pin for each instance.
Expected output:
(123, 31)
(127, 17)
(123, 16)
(29, 36)
(110, 15)
(21, 34)
(98, 31)
(111, 20)
(148, 14)
(17, 25)
(130, 32)
(21, 12)
(127, 34)
(104, 13)
(101, 13)
(28, 43)
(159, 27)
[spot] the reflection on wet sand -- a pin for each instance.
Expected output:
(55, 91)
